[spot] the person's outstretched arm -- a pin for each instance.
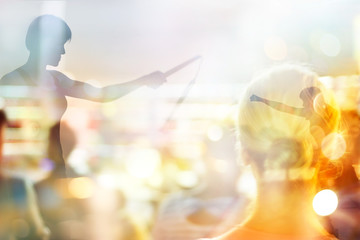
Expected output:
(77, 89)
(277, 105)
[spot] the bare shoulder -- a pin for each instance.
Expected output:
(61, 79)
(12, 78)
(57, 74)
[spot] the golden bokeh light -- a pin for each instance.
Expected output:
(325, 202)
(333, 146)
(81, 187)
(187, 179)
(143, 163)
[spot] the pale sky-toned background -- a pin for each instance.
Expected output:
(120, 40)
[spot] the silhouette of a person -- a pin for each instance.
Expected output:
(43, 92)
(314, 109)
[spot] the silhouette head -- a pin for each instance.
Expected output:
(277, 145)
(308, 95)
(46, 37)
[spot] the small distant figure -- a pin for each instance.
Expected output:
(43, 92)
(20, 217)
(314, 109)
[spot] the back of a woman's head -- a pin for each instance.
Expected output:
(278, 140)
(46, 27)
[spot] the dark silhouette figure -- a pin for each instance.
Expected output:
(44, 91)
(318, 113)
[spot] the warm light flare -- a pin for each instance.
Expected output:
(247, 184)
(333, 146)
(325, 202)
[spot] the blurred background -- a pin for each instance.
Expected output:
(130, 145)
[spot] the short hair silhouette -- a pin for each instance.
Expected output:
(309, 93)
(46, 27)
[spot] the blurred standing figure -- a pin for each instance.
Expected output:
(37, 96)
(279, 149)
(61, 213)
(20, 217)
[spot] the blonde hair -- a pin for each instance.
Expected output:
(277, 140)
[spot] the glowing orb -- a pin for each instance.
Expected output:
(333, 146)
(143, 163)
(325, 202)
(215, 133)
(187, 179)
(81, 187)
(246, 184)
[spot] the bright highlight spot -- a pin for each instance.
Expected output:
(333, 146)
(143, 163)
(319, 104)
(275, 48)
(246, 184)
(81, 187)
(325, 202)
(215, 133)
(107, 181)
(187, 179)
(330, 45)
